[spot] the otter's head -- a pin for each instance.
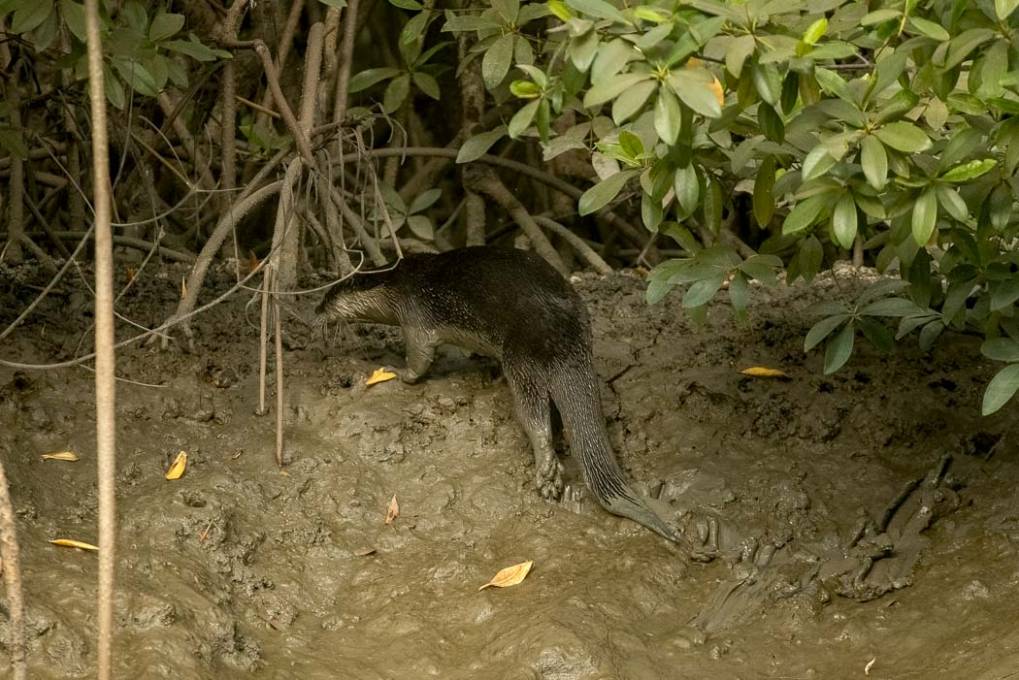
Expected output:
(362, 297)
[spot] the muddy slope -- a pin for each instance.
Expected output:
(868, 520)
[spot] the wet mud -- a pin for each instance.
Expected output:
(867, 523)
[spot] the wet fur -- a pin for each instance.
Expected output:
(509, 304)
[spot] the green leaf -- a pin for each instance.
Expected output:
(700, 292)
(821, 330)
(632, 100)
(693, 87)
(651, 212)
(843, 221)
(1004, 294)
(424, 200)
(426, 83)
(964, 172)
(925, 217)
(559, 10)
(396, 92)
(74, 17)
(598, 8)
(1001, 349)
(712, 205)
(412, 5)
(165, 25)
(496, 62)
(583, 49)
(192, 48)
(29, 15)
(771, 123)
(964, 43)
(478, 145)
(611, 58)
(880, 16)
(929, 29)
(768, 83)
(815, 31)
(874, 160)
(507, 9)
(657, 289)
(817, 163)
(891, 307)
(953, 203)
(739, 293)
(523, 118)
(687, 188)
(422, 227)
(804, 214)
(1002, 387)
(764, 199)
(365, 79)
(878, 334)
(903, 136)
(631, 145)
(525, 89)
(136, 76)
(1004, 8)
(612, 88)
(602, 193)
(839, 350)
(668, 116)
(738, 51)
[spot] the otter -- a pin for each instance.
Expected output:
(511, 305)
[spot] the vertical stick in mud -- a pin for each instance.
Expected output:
(12, 580)
(105, 355)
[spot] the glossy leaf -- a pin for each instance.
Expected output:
(844, 221)
(925, 216)
(1001, 389)
(602, 193)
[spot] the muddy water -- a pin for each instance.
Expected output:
(869, 520)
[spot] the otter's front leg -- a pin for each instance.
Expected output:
(420, 347)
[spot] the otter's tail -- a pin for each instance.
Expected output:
(575, 394)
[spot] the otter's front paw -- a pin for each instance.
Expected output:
(549, 479)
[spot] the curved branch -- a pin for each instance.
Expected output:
(578, 244)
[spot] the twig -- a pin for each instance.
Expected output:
(346, 61)
(106, 413)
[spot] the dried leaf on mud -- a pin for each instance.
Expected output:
(764, 372)
(379, 375)
(71, 543)
(69, 456)
(364, 552)
(510, 576)
(393, 511)
(180, 464)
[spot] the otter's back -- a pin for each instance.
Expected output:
(512, 299)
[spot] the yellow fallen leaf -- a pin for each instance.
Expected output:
(763, 372)
(69, 456)
(180, 464)
(510, 576)
(71, 543)
(379, 375)
(393, 511)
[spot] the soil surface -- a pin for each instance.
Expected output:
(867, 522)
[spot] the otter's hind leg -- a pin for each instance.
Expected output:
(533, 406)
